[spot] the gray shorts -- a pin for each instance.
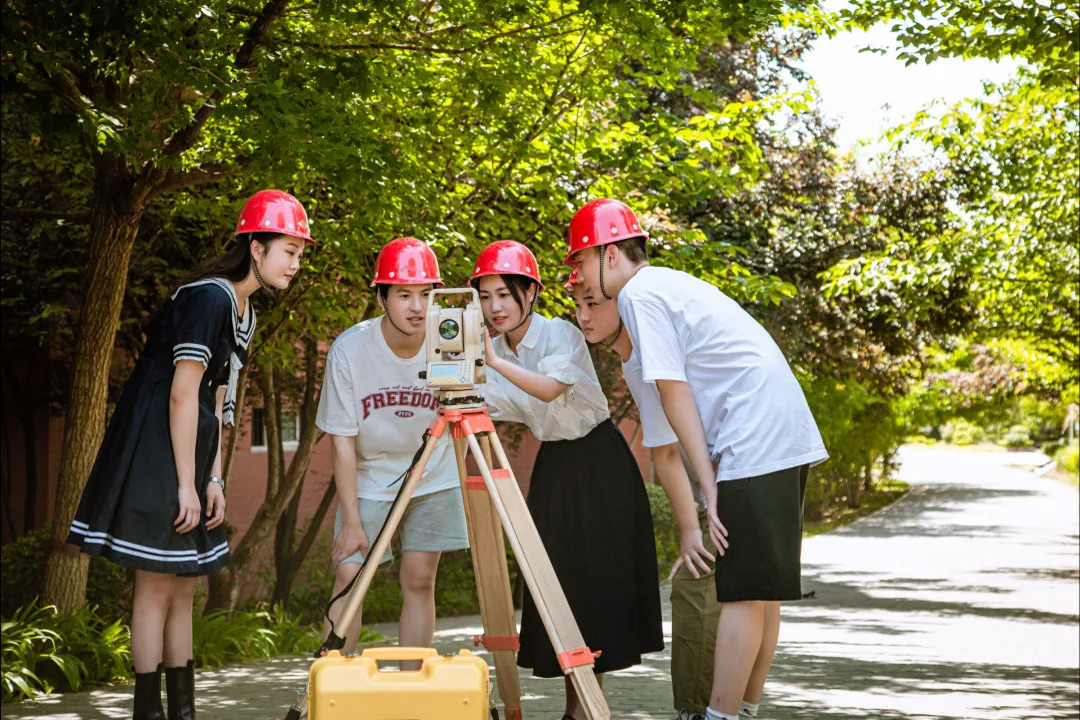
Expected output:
(432, 523)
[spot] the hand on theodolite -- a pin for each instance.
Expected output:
(536, 384)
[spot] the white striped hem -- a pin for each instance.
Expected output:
(145, 552)
(196, 358)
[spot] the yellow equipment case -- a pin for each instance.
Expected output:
(451, 687)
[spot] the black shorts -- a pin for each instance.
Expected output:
(763, 517)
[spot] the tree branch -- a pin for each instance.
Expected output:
(435, 50)
(185, 137)
(201, 175)
(314, 525)
(65, 86)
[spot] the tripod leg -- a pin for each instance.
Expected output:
(485, 448)
(382, 542)
(492, 585)
(540, 576)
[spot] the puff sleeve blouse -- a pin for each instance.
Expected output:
(556, 348)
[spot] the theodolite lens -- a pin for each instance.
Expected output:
(449, 329)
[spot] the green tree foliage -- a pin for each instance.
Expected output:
(989, 387)
(1010, 158)
(457, 124)
(1013, 160)
(1010, 165)
(1046, 34)
(133, 132)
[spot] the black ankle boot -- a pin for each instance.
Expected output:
(180, 689)
(148, 696)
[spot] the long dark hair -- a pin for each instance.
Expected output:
(518, 285)
(233, 265)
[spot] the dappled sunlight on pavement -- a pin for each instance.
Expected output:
(960, 600)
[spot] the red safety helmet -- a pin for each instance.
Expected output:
(274, 211)
(574, 279)
(601, 222)
(506, 257)
(406, 261)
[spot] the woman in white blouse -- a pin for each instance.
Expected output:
(586, 494)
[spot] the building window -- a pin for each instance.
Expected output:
(290, 430)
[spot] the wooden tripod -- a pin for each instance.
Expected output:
(493, 503)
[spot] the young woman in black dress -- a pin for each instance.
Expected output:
(154, 500)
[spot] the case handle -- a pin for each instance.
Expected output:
(399, 653)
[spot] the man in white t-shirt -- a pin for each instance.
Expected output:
(695, 611)
(742, 418)
(376, 409)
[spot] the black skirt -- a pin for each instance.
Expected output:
(763, 517)
(589, 504)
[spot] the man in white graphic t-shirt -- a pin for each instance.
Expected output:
(376, 409)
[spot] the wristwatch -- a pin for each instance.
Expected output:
(219, 481)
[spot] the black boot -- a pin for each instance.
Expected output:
(148, 696)
(180, 689)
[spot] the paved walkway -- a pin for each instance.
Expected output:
(959, 601)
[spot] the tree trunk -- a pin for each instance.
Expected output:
(272, 429)
(284, 538)
(114, 222)
(287, 557)
(283, 583)
(225, 586)
(854, 488)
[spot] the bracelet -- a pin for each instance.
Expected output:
(219, 481)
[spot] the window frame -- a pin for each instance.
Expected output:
(286, 445)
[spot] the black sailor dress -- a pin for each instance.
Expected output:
(131, 501)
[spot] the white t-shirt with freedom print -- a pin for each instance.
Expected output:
(755, 415)
(377, 397)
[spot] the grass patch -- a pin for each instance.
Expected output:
(884, 494)
(45, 652)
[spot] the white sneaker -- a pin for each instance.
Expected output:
(685, 714)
